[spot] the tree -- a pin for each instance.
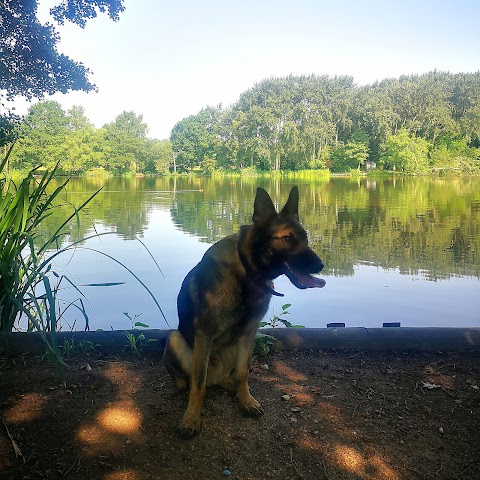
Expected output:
(162, 154)
(351, 155)
(77, 120)
(405, 152)
(127, 143)
(30, 64)
(194, 138)
(41, 136)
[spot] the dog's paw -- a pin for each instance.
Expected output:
(252, 408)
(188, 430)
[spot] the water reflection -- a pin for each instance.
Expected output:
(384, 233)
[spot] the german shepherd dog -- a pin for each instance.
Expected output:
(223, 299)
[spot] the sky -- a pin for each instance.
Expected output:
(168, 60)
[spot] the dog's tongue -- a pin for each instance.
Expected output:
(303, 280)
(310, 281)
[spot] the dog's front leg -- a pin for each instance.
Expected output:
(190, 424)
(248, 403)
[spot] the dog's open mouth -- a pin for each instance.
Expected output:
(303, 280)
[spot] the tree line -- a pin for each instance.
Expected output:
(49, 136)
(415, 124)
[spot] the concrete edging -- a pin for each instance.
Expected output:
(356, 338)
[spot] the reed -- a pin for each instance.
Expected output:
(24, 270)
(30, 288)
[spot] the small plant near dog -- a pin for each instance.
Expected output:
(262, 345)
(264, 342)
(135, 323)
(86, 347)
(136, 343)
(279, 320)
(68, 348)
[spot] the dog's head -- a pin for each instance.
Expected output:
(282, 242)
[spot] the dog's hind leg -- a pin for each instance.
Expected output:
(248, 403)
(190, 424)
(177, 357)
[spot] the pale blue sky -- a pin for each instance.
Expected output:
(167, 60)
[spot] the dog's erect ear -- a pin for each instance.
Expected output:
(263, 208)
(291, 207)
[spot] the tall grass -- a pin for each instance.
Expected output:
(29, 285)
(24, 270)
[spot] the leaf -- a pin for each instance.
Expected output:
(143, 325)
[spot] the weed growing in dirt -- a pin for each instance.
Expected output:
(264, 342)
(136, 343)
(85, 347)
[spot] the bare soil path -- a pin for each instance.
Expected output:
(328, 415)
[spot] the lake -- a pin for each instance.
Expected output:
(395, 249)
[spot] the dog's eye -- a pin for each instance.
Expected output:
(287, 239)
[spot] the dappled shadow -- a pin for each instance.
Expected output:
(346, 452)
(118, 422)
(111, 422)
(328, 416)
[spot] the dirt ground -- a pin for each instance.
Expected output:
(328, 415)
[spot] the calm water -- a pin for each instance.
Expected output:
(404, 250)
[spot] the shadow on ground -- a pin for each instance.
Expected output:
(329, 415)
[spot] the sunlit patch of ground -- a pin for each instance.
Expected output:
(121, 418)
(120, 374)
(118, 423)
(368, 466)
(123, 475)
(365, 465)
(26, 408)
(287, 380)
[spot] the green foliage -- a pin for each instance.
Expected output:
(454, 156)
(193, 139)
(162, 155)
(208, 165)
(70, 140)
(263, 342)
(349, 156)
(299, 122)
(290, 124)
(406, 153)
(26, 277)
(279, 320)
(70, 348)
(31, 65)
(136, 343)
